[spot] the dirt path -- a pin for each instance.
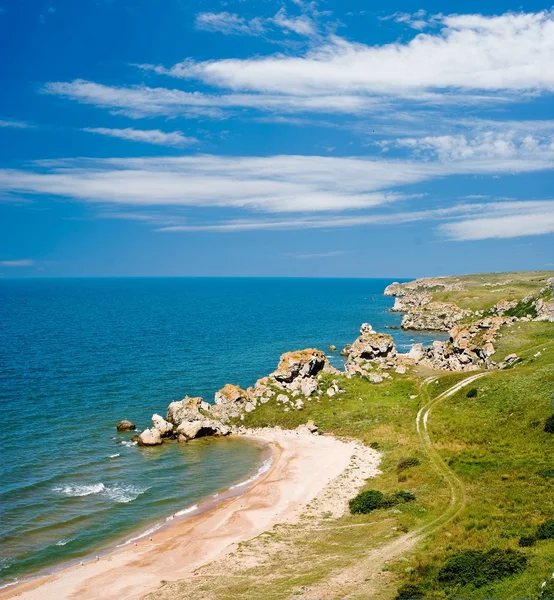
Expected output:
(368, 575)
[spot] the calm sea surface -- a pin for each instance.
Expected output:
(77, 355)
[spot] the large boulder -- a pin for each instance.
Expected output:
(372, 346)
(230, 401)
(299, 364)
(187, 409)
(125, 425)
(545, 310)
(164, 427)
(150, 437)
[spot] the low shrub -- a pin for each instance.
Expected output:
(549, 424)
(409, 461)
(410, 592)
(527, 540)
(370, 500)
(403, 496)
(522, 309)
(365, 502)
(472, 393)
(545, 531)
(478, 568)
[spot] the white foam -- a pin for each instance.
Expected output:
(122, 493)
(128, 444)
(64, 542)
(263, 469)
(143, 534)
(80, 490)
(5, 585)
(114, 455)
(186, 511)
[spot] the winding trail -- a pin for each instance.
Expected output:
(457, 490)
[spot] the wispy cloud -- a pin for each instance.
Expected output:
(488, 145)
(509, 220)
(272, 184)
(142, 101)
(229, 23)
(10, 123)
(149, 136)
(17, 263)
(302, 25)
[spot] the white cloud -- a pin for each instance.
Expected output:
(301, 25)
(471, 52)
(149, 136)
(142, 101)
(488, 145)
(418, 20)
(462, 217)
(508, 220)
(17, 263)
(229, 23)
(9, 123)
(272, 184)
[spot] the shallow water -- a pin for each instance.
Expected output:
(78, 355)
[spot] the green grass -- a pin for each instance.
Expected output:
(478, 295)
(494, 446)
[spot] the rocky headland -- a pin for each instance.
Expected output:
(299, 376)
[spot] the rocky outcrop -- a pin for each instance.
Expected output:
(442, 284)
(371, 350)
(434, 316)
(187, 409)
(189, 430)
(545, 310)
(469, 348)
(410, 302)
(125, 425)
(230, 402)
(149, 437)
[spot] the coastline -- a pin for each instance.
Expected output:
(303, 468)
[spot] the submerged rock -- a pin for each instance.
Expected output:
(125, 425)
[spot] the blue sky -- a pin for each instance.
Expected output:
(275, 138)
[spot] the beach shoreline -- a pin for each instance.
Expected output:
(303, 465)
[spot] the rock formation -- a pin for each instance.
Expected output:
(371, 350)
(164, 427)
(149, 437)
(125, 425)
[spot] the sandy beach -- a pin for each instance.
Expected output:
(303, 478)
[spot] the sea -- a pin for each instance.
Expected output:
(78, 355)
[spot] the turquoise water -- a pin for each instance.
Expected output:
(77, 355)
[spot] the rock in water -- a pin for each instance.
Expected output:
(150, 437)
(164, 427)
(126, 425)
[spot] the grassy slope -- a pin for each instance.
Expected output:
(494, 444)
(505, 286)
